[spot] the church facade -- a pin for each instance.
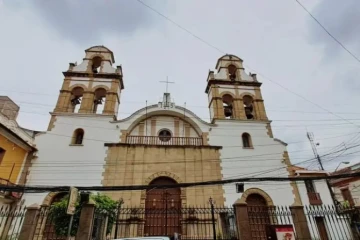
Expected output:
(86, 145)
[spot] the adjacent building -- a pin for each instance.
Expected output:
(347, 190)
(17, 149)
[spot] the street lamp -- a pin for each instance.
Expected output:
(340, 164)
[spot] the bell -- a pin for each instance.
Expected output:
(232, 76)
(249, 112)
(75, 101)
(98, 101)
(228, 111)
(249, 108)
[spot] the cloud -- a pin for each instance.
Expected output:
(89, 20)
(341, 20)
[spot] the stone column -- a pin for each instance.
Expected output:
(141, 132)
(110, 103)
(300, 222)
(204, 137)
(238, 108)
(30, 222)
(176, 127)
(218, 108)
(87, 102)
(260, 109)
(63, 102)
(242, 221)
(86, 222)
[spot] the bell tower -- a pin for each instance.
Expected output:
(232, 93)
(92, 87)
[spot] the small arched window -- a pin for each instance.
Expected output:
(78, 137)
(246, 139)
(232, 72)
(96, 63)
(228, 106)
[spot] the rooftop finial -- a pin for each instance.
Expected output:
(167, 83)
(166, 103)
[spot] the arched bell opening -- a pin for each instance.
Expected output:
(228, 106)
(99, 100)
(76, 99)
(249, 107)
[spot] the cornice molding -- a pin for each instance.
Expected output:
(231, 83)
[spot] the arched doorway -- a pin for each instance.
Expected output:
(259, 218)
(162, 209)
(49, 229)
(256, 200)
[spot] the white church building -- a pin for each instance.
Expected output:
(87, 145)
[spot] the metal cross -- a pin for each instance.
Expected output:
(167, 83)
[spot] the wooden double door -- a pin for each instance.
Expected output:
(163, 209)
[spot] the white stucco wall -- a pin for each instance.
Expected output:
(107, 68)
(245, 76)
(320, 187)
(237, 162)
(59, 164)
(82, 67)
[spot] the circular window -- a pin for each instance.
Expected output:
(165, 135)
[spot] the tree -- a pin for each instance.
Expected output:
(104, 205)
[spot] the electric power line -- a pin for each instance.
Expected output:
(327, 31)
(20, 188)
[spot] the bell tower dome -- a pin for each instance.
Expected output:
(92, 87)
(232, 93)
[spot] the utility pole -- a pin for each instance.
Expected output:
(313, 146)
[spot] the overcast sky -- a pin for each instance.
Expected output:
(276, 39)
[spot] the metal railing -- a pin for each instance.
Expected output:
(165, 140)
(6, 182)
(189, 223)
(261, 217)
(331, 222)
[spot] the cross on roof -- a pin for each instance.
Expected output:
(167, 83)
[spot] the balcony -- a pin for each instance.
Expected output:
(314, 198)
(165, 141)
(8, 194)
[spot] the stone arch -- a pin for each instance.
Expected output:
(49, 198)
(154, 176)
(149, 115)
(91, 61)
(258, 191)
(247, 94)
(227, 93)
(162, 174)
(235, 63)
(100, 86)
(78, 85)
(97, 55)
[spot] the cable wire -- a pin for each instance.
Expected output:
(327, 31)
